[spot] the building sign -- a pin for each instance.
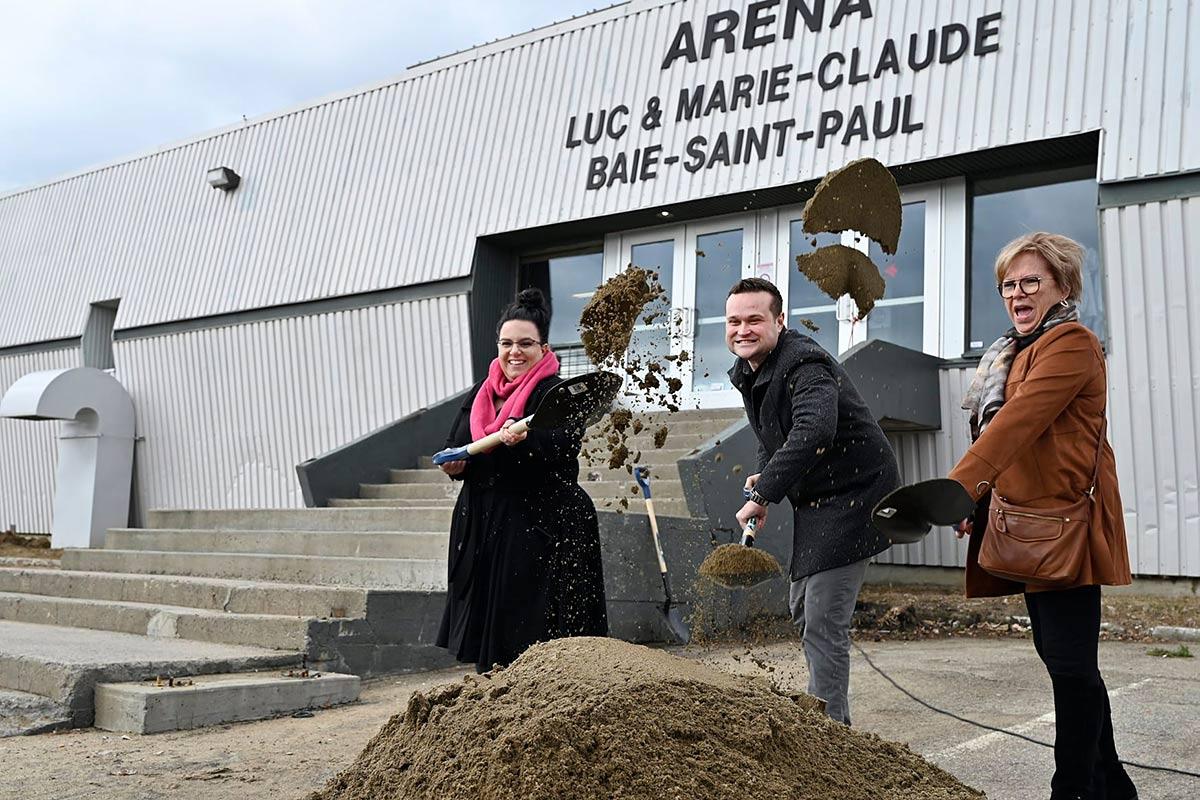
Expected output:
(762, 23)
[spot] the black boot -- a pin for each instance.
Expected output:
(1116, 781)
(1079, 716)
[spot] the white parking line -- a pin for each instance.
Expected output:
(986, 740)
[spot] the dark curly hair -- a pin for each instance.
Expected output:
(530, 306)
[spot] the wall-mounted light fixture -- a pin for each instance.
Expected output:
(223, 178)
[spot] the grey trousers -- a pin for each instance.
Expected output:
(822, 606)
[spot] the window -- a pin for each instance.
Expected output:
(569, 281)
(1063, 201)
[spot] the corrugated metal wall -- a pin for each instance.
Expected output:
(29, 449)
(1152, 259)
(931, 455)
(225, 414)
(390, 186)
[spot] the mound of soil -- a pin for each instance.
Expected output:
(838, 270)
(861, 196)
(590, 718)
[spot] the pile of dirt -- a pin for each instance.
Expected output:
(588, 718)
(861, 196)
(839, 270)
(737, 565)
(14, 545)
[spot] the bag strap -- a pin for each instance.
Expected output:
(1099, 449)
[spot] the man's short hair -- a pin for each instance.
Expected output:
(760, 285)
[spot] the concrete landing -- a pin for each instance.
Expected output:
(65, 664)
(156, 707)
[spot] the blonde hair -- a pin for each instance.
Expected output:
(1063, 256)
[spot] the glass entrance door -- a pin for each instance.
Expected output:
(718, 255)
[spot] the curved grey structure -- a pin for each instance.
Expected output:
(95, 448)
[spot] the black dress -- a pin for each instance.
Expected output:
(524, 563)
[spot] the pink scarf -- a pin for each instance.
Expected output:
(515, 393)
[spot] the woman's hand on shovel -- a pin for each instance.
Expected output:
(752, 509)
(508, 437)
(964, 527)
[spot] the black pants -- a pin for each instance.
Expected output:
(1066, 634)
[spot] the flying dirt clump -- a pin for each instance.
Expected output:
(600, 718)
(861, 196)
(838, 270)
(606, 324)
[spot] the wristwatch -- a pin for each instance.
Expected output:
(755, 497)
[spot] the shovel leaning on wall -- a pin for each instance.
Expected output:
(671, 614)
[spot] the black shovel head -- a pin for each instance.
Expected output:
(908, 513)
(584, 398)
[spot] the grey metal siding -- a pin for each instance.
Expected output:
(390, 185)
(29, 449)
(225, 414)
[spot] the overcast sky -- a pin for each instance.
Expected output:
(88, 82)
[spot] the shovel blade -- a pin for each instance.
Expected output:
(677, 626)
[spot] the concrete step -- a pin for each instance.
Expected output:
(650, 456)
(416, 491)
(371, 544)
(398, 573)
(674, 506)
(214, 594)
(394, 502)
(22, 714)
(65, 664)
(148, 707)
(161, 621)
(664, 472)
(301, 519)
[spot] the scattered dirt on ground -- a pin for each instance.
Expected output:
(839, 270)
(14, 545)
(861, 196)
(904, 613)
(588, 717)
(929, 612)
(737, 565)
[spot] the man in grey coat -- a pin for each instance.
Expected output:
(820, 447)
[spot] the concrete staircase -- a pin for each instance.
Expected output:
(357, 588)
(610, 489)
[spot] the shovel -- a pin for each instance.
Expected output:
(907, 514)
(751, 567)
(583, 398)
(670, 612)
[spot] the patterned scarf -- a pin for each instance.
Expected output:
(985, 396)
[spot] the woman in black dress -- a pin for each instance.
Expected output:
(524, 562)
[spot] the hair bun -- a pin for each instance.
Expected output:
(532, 298)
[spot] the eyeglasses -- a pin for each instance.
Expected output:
(1029, 285)
(524, 344)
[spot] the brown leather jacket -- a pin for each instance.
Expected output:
(1040, 450)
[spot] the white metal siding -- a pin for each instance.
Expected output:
(226, 414)
(931, 455)
(1152, 259)
(29, 448)
(390, 185)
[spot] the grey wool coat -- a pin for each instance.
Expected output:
(820, 447)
